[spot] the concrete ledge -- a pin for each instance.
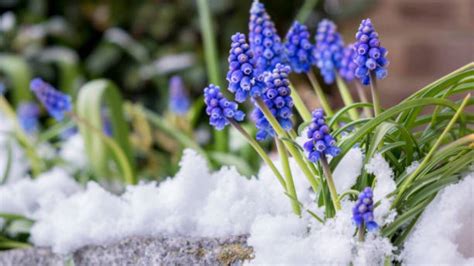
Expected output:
(166, 250)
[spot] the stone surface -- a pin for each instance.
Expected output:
(174, 250)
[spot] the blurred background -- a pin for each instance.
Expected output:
(140, 45)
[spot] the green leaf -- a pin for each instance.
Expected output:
(337, 116)
(18, 72)
(92, 97)
(368, 127)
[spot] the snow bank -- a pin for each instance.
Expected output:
(445, 232)
(27, 197)
(288, 240)
(195, 202)
(198, 202)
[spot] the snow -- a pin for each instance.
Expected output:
(73, 153)
(445, 232)
(346, 173)
(28, 196)
(198, 202)
(201, 202)
(384, 185)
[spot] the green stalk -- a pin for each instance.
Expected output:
(363, 98)
(433, 149)
(291, 148)
(346, 97)
(290, 185)
(319, 92)
(122, 160)
(299, 104)
(260, 152)
(36, 163)
(375, 95)
(305, 10)
(362, 232)
(212, 63)
(330, 181)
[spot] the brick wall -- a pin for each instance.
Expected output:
(426, 39)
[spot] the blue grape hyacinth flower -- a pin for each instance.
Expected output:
(299, 49)
(320, 142)
(348, 66)
(363, 210)
(56, 103)
(278, 100)
(28, 113)
(328, 51)
(220, 109)
(371, 57)
(241, 78)
(178, 96)
(263, 39)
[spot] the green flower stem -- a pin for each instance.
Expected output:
(375, 95)
(306, 10)
(363, 98)
(290, 146)
(290, 185)
(319, 92)
(260, 152)
(122, 160)
(361, 232)
(212, 63)
(299, 104)
(36, 162)
(432, 151)
(311, 166)
(346, 96)
(330, 181)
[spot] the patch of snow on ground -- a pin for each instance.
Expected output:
(384, 185)
(445, 232)
(28, 196)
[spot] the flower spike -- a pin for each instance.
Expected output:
(321, 142)
(55, 102)
(363, 210)
(348, 66)
(371, 57)
(179, 98)
(28, 113)
(241, 71)
(263, 39)
(328, 51)
(298, 48)
(219, 109)
(277, 98)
